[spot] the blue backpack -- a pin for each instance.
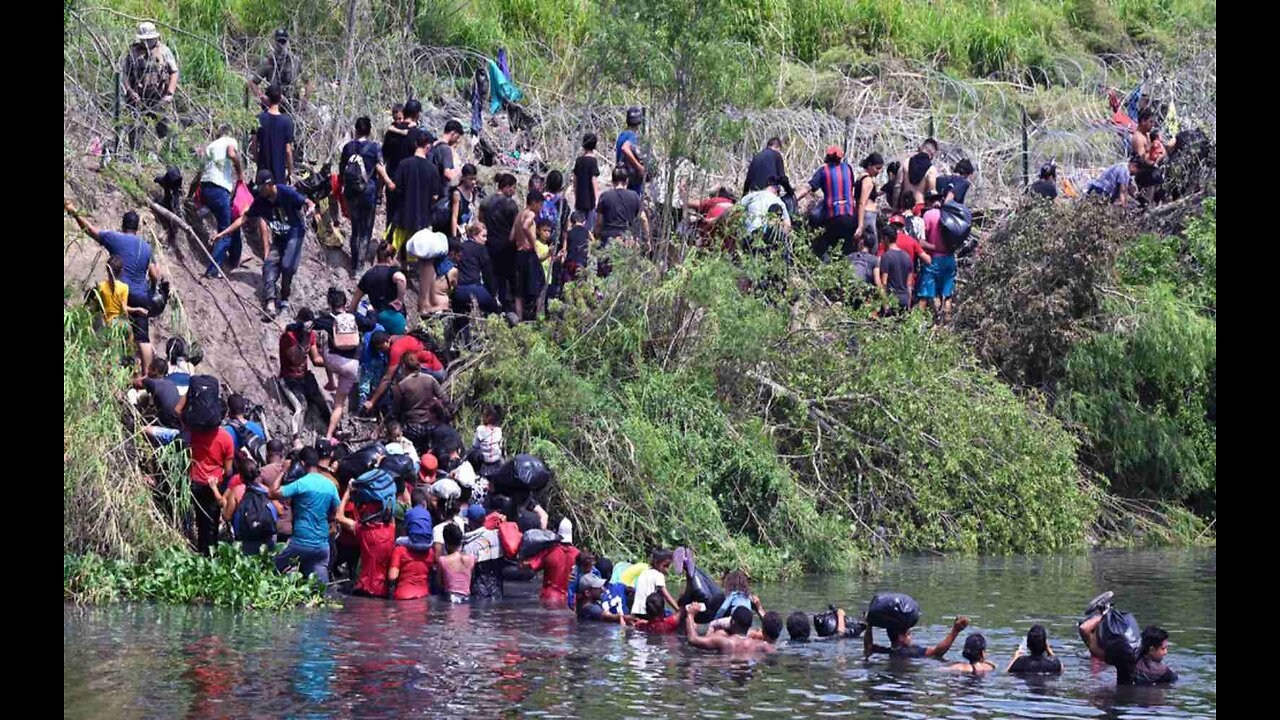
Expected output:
(376, 486)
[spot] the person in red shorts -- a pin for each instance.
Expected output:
(556, 563)
(413, 559)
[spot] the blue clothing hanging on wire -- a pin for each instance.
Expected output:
(501, 89)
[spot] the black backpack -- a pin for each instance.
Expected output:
(956, 222)
(254, 521)
(204, 408)
(355, 179)
(249, 441)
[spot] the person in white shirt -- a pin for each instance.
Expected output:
(766, 218)
(223, 173)
(652, 580)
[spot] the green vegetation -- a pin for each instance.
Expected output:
(109, 505)
(176, 576)
(693, 413)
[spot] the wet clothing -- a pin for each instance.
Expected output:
(377, 544)
(274, 132)
(556, 563)
(901, 651)
(1036, 665)
(210, 451)
(486, 580)
(415, 569)
(1144, 672)
(668, 624)
(313, 498)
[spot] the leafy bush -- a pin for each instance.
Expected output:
(774, 437)
(1033, 291)
(227, 579)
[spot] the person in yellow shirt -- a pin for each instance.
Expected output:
(113, 295)
(542, 247)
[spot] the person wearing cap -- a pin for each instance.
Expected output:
(588, 605)
(279, 211)
(139, 270)
(281, 68)
(626, 151)
(1046, 186)
(556, 563)
(148, 79)
(413, 558)
(839, 220)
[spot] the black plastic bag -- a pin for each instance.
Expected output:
(893, 611)
(1120, 637)
(824, 623)
(701, 588)
(536, 541)
(359, 462)
(522, 474)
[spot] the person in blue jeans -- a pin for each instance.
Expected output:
(279, 210)
(223, 172)
(314, 500)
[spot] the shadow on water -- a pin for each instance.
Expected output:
(425, 658)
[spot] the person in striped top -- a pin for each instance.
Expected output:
(839, 219)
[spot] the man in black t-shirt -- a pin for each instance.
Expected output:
(442, 152)
(498, 214)
(396, 147)
(618, 210)
(1147, 668)
(901, 643)
(585, 171)
(767, 169)
(1039, 659)
(165, 398)
(956, 187)
(1046, 186)
(363, 204)
(419, 186)
(384, 284)
(272, 146)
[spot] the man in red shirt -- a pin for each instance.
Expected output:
(212, 453)
(906, 244)
(711, 209)
(297, 346)
(414, 342)
(556, 564)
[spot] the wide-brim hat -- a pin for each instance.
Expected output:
(147, 31)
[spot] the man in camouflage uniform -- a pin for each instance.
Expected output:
(280, 67)
(148, 80)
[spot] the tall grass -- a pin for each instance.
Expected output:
(109, 506)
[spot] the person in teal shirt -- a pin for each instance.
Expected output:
(314, 500)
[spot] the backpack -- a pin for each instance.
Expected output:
(249, 441)
(355, 178)
(442, 211)
(955, 223)
(204, 408)
(346, 333)
(254, 521)
(375, 486)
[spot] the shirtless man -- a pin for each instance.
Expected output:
(1148, 175)
(736, 642)
(523, 234)
(920, 176)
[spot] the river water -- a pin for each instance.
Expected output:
(375, 658)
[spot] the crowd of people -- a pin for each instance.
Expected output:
(423, 512)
